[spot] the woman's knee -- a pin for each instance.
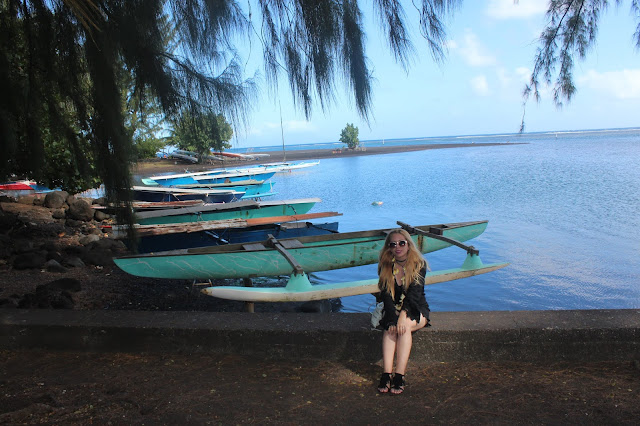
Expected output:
(420, 324)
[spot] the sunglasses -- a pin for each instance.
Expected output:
(401, 243)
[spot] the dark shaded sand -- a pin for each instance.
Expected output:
(116, 388)
(76, 388)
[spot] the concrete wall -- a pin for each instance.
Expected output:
(541, 336)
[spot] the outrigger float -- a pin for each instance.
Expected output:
(299, 256)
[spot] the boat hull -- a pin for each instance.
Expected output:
(314, 254)
(156, 243)
(331, 291)
(235, 210)
(157, 197)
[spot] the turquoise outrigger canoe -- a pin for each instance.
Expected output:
(299, 289)
(274, 258)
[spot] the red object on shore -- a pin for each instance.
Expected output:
(21, 185)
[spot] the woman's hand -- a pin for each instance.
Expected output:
(404, 323)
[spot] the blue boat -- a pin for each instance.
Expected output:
(251, 188)
(209, 177)
(232, 177)
(161, 194)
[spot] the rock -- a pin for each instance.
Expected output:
(80, 210)
(54, 200)
(98, 257)
(53, 265)
(70, 199)
(47, 297)
(88, 239)
(66, 284)
(108, 244)
(53, 254)
(102, 201)
(95, 231)
(74, 262)
(73, 223)
(59, 213)
(100, 215)
(22, 246)
(31, 260)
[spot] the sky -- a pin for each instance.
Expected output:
(477, 89)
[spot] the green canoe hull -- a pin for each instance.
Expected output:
(236, 210)
(313, 254)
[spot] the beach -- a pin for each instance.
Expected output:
(167, 165)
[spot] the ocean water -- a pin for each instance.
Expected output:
(563, 210)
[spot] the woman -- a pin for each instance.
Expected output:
(401, 271)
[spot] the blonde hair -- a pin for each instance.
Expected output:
(386, 260)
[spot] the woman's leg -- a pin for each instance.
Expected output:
(389, 339)
(403, 345)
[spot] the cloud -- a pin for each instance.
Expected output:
(291, 126)
(480, 86)
(623, 84)
(472, 51)
(509, 9)
(299, 126)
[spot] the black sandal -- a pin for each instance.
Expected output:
(398, 384)
(385, 383)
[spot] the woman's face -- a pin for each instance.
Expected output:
(399, 246)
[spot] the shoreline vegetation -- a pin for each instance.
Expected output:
(155, 166)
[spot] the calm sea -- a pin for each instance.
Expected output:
(563, 209)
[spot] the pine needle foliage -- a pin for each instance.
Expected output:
(571, 31)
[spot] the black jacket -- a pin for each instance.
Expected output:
(414, 302)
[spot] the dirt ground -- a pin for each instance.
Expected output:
(88, 388)
(47, 387)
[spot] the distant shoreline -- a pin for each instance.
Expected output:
(168, 165)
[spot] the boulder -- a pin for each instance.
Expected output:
(47, 297)
(31, 260)
(22, 246)
(100, 215)
(80, 210)
(98, 257)
(53, 254)
(55, 200)
(53, 265)
(108, 244)
(74, 262)
(59, 213)
(88, 239)
(66, 284)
